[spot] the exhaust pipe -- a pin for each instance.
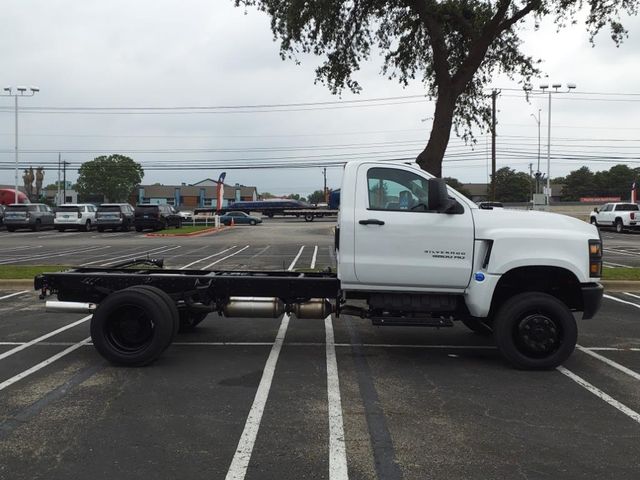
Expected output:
(55, 306)
(271, 307)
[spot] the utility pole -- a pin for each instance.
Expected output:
(531, 181)
(494, 95)
(64, 182)
(58, 192)
(326, 200)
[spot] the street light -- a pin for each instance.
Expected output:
(537, 119)
(543, 87)
(20, 92)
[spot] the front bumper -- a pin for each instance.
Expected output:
(591, 299)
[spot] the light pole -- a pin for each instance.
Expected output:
(18, 92)
(537, 119)
(555, 86)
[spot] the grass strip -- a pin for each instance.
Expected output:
(21, 272)
(609, 273)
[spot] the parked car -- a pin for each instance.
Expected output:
(239, 218)
(490, 205)
(33, 216)
(156, 217)
(186, 214)
(81, 216)
(114, 216)
(621, 216)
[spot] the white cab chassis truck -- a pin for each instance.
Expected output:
(411, 252)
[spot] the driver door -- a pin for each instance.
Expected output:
(400, 241)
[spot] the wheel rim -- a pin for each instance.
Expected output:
(130, 329)
(538, 335)
(618, 227)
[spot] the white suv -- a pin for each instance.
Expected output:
(81, 216)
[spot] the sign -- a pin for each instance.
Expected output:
(220, 191)
(599, 199)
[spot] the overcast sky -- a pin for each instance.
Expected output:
(165, 53)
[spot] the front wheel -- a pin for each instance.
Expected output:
(252, 222)
(535, 330)
(619, 226)
(309, 217)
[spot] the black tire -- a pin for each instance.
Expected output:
(87, 226)
(126, 227)
(36, 227)
(131, 327)
(309, 217)
(619, 226)
(481, 326)
(60, 229)
(100, 229)
(138, 229)
(190, 320)
(534, 330)
(175, 315)
(11, 229)
(252, 222)
(179, 224)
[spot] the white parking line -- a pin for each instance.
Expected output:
(632, 295)
(622, 252)
(42, 364)
(313, 259)
(224, 258)
(337, 449)
(8, 353)
(207, 258)
(295, 260)
(14, 294)
(240, 461)
(610, 362)
(621, 301)
(133, 256)
(52, 255)
(124, 255)
(611, 264)
(600, 394)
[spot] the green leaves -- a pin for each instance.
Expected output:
(114, 177)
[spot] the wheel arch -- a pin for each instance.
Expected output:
(558, 282)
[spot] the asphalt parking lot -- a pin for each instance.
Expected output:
(289, 398)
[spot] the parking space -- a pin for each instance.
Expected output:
(289, 398)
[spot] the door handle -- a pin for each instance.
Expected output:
(371, 221)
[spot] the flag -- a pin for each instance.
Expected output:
(634, 193)
(220, 192)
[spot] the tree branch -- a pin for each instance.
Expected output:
(438, 45)
(519, 15)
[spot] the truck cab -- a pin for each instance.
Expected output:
(418, 252)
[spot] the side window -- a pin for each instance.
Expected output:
(398, 190)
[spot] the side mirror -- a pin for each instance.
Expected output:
(439, 200)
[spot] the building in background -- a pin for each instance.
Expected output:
(200, 194)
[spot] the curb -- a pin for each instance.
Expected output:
(17, 283)
(620, 285)
(192, 234)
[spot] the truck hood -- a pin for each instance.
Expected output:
(529, 223)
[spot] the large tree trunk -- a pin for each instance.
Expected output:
(430, 159)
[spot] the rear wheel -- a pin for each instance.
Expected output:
(101, 229)
(138, 229)
(619, 226)
(309, 217)
(36, 227)
(175, 316)
(534, 330)
(87, 226)
(132, 327)
(125, 226)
